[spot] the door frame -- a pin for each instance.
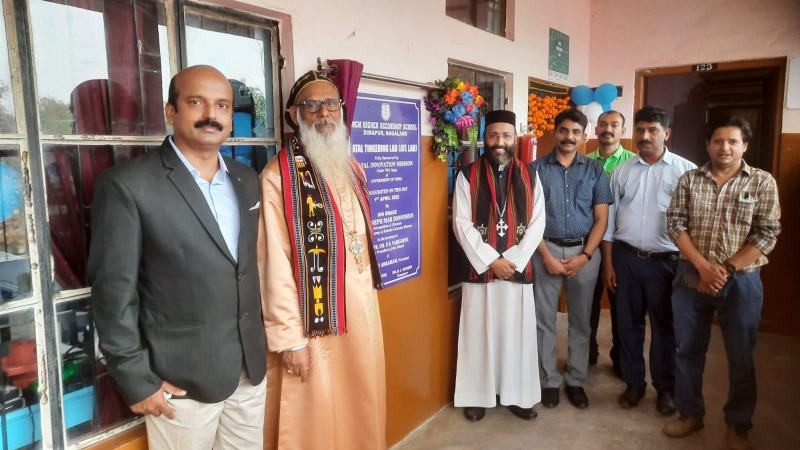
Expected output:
(640, 88)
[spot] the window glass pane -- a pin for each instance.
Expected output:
(99, 66)
(15, 266)
(255, 156)
(462, 10)
(244, 54)
(70, 174)
(91, 400)
(488, 15)
(491, 16)
(8, 123)
(20, 418)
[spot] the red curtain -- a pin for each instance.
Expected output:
(66, 228)
(68, 191)
(134, 67)
(347, 76)
(128, 103)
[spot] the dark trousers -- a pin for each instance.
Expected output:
(594, 321)
(738, 307)
(644, 287)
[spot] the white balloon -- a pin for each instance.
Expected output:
(593, 111)
(581, 108)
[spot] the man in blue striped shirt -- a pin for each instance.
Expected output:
(577, 195)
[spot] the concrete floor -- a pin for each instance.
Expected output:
(604, 425)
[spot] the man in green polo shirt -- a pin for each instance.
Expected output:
(609, 130)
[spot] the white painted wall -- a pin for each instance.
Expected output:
(609, 39)
(635, 34)
(413, 39)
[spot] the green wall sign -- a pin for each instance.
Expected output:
(558, 60)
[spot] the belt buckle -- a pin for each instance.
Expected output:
(643, 254)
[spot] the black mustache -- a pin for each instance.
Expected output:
(643, 142)
(208, 122)
(567, 141)
(606, 134)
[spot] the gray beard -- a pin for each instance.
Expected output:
(330, 154)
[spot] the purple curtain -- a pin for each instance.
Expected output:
(346, 77)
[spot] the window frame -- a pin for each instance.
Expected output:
(31, 143)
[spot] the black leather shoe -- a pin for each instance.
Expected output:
(474, 413)
(550, 397)
(577, 396)
(523, 413)
(665, 404)
(631, 397)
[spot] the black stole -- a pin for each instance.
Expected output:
(318, 240)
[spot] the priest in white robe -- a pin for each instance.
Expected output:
(498, 218)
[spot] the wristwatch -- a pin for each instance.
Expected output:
(729, 267)
(587, 255)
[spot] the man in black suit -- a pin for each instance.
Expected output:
(175, 286)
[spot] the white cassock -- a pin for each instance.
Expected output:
(497, 352)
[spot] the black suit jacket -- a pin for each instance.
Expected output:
(169, 301)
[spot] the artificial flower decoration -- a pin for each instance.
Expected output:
(453, 109)
(542, 111)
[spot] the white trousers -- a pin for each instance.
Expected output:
(236, 423)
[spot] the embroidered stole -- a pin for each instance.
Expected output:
(506, 230)
(318, 240)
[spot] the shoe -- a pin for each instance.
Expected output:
(683, 426)
(522, 413)
(665, 404)
(736, 440)
(550, 397)
(577, 396)
(474, 413)
(631, 397)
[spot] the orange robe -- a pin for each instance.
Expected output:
(342, 404)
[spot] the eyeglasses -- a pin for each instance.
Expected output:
(312, 106)
(504, 136)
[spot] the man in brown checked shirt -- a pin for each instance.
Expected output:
(724, 218)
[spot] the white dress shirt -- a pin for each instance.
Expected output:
(642, 193)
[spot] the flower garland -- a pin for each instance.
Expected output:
(454, 108)
(542, 111)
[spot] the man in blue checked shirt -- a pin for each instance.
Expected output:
(577, 195)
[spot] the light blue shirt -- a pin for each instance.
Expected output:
(221, 198)
(642, 193)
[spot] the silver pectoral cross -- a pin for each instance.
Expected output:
(501, 228)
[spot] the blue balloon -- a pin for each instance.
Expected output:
(582, 95)
(605, 94)
(606, 106)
